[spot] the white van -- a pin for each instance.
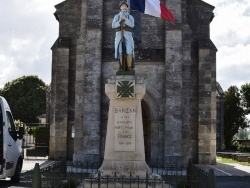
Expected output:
(11, 158)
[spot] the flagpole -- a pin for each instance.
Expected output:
(128, 1)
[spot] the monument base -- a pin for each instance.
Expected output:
(124, 162)
(132, 181)
(88, 183)
(126, 73)
(124, 168)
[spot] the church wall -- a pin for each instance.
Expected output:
(199, 16)
(189, 140)
(174, 122)
(173, 103)
(207, 108)
(66, 15)
(59, 120)
(168, 59)
(85, 32)
(89, 82)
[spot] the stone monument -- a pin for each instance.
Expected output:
(124, 154)
(124, 149)
(178, 67)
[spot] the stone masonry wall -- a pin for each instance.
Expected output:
(199, 16)
(174, 87)
(66, 14)
(207, 109)
(177, 64)
(87, 147)
(59, 107)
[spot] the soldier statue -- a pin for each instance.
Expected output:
(124, 43)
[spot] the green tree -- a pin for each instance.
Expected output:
(245, 95)
(26, 97)
(234, 115)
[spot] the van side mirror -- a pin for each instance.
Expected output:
(20, 132)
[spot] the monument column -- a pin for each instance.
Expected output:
(124, 149)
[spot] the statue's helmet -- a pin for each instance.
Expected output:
(123, 3)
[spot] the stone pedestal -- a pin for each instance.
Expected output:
(124, 149)
(113, 184)
(124, 162)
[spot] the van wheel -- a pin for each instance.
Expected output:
(17, 175)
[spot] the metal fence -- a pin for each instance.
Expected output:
(128, 181)
(70, 174)
(51, 177)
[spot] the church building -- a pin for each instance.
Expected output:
(177, 64)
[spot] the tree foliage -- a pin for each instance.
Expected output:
(26, 97)
(245, 93)
(234, 115)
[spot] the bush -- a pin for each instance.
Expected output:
(41, 135)
(182, 184)
(235, 144)
(243, 148)
(240, 147)
(71, 184)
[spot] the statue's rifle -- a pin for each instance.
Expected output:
(123, 49)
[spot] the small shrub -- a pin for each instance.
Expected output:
(71, 184)
(235, 143)
(243, 148)
(182, 184)
(41, 135)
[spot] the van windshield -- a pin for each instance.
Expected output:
(1, 117)
(11, 126)
(1, 140)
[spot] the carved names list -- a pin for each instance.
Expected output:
(125, 128)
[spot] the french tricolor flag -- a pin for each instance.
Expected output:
(152, 7)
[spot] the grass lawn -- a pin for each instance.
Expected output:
(231, 161)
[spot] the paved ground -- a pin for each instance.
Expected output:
(228, 169)
(27, 166)
(233, 182)
(230, 175)
(30, 163)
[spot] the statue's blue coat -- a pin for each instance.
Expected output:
(128, 38)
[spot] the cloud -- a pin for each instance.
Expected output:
(230, 26)
(9, 68)
(27, 33)
(229, 32)
(233, 65)
(29, 29)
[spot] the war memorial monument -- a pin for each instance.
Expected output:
(135, 101)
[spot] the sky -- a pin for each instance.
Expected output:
(28, 29)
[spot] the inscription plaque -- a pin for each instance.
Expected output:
(124, 128)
